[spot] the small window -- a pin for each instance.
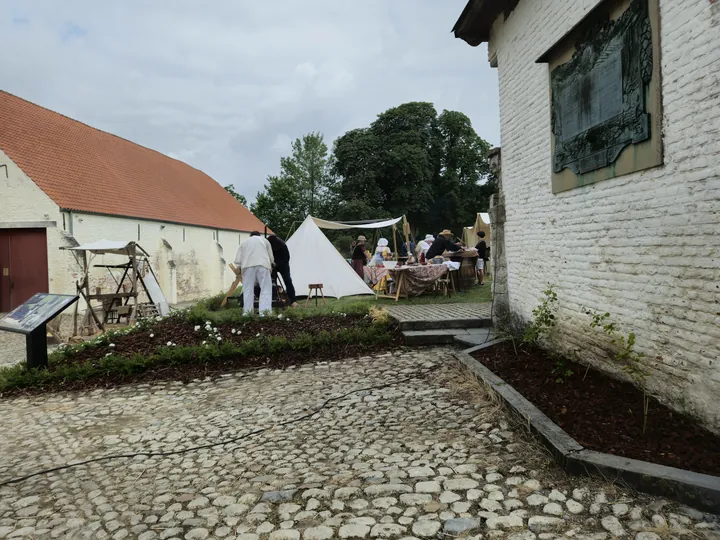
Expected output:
(214, 236)
(64, 224)
(183, 234)
(239, 239)
(138, 232)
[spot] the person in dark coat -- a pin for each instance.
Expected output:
(359, 259)
(442, 244)
(282, 266)
(482, 257)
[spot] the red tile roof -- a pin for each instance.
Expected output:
(84, 169)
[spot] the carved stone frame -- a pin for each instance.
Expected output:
(632, 139)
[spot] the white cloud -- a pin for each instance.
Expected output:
(227, 84)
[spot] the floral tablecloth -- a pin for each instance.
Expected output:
(418, 279)
(373, 274)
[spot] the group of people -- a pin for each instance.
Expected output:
(260, 260)
(428, 249)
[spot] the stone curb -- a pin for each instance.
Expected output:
(701, 491)
(450, 324)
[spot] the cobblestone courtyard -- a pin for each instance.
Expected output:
(426, 454)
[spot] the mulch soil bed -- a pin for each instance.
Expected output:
(602, 413)
(182, 333)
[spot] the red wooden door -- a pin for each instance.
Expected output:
(24, 267)
(4, 271)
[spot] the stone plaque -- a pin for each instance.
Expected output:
(599, 97)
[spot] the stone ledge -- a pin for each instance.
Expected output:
(701, 491)
(448, 324)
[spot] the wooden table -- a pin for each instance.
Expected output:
(415, 280)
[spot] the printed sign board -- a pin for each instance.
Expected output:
(36, 312)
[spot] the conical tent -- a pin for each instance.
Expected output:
(313, 259)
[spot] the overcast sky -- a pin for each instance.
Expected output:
(225, 85)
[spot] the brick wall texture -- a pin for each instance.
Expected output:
(644, 247)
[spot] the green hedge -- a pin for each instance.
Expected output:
(18, 377)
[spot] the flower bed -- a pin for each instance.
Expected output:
(602, 413)
(199, 343)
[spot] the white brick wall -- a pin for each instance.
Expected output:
(200, 256)
(645, 247)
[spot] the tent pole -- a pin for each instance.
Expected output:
(406, 227)
(394, 230)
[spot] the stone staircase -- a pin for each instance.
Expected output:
(443, 324)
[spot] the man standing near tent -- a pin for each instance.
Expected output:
(282, 266)
(255, 260)
(482, 257)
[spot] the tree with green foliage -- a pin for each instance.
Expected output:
(241, 198)
(410, 160)
(304, 186)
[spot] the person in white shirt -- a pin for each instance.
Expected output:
(255, 260)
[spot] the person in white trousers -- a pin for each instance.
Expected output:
(255, 260)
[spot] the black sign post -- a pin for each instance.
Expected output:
(31, 319)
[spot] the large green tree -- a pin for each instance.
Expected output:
(304, 186)
(432, 168)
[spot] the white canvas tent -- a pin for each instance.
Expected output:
(313, 259)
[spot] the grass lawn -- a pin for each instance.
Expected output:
(473, 296)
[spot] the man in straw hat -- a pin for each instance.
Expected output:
(359, 259)
(442, 244)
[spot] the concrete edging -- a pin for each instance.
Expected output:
(701, 491)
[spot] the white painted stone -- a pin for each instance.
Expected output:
(387, 489)
(344, 493)
(387, 530)
(555, 495)
(427, 487)
(420, 472)
(543, 523)
(447, 497)
(620, 509)
(574, 507)
(415, 499)
(647, 536)
(426, 529)
(613, 526)
(504, 522)
(554, 509)
(285, 534)
(460, 484)
(537, 500)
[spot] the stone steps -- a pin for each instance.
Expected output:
(462, 336)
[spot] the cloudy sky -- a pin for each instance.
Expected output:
(225, 85)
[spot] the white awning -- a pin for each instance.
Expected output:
(324, 224)
(106, 246)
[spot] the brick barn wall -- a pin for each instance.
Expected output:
(644, 247)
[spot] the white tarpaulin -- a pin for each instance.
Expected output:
(324, 224)
(154, 291)
(313, 259)
(105, 246)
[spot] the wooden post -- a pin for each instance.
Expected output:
(394, 230)
(406, 228)
(133, 291)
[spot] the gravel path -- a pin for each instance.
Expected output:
(429, 456)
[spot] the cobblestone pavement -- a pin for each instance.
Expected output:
(429, 455)
(12, 348)
(439, 312)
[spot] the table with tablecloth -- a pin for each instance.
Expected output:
(415, 280)
(374, 274)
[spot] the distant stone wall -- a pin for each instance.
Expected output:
(643, 247)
